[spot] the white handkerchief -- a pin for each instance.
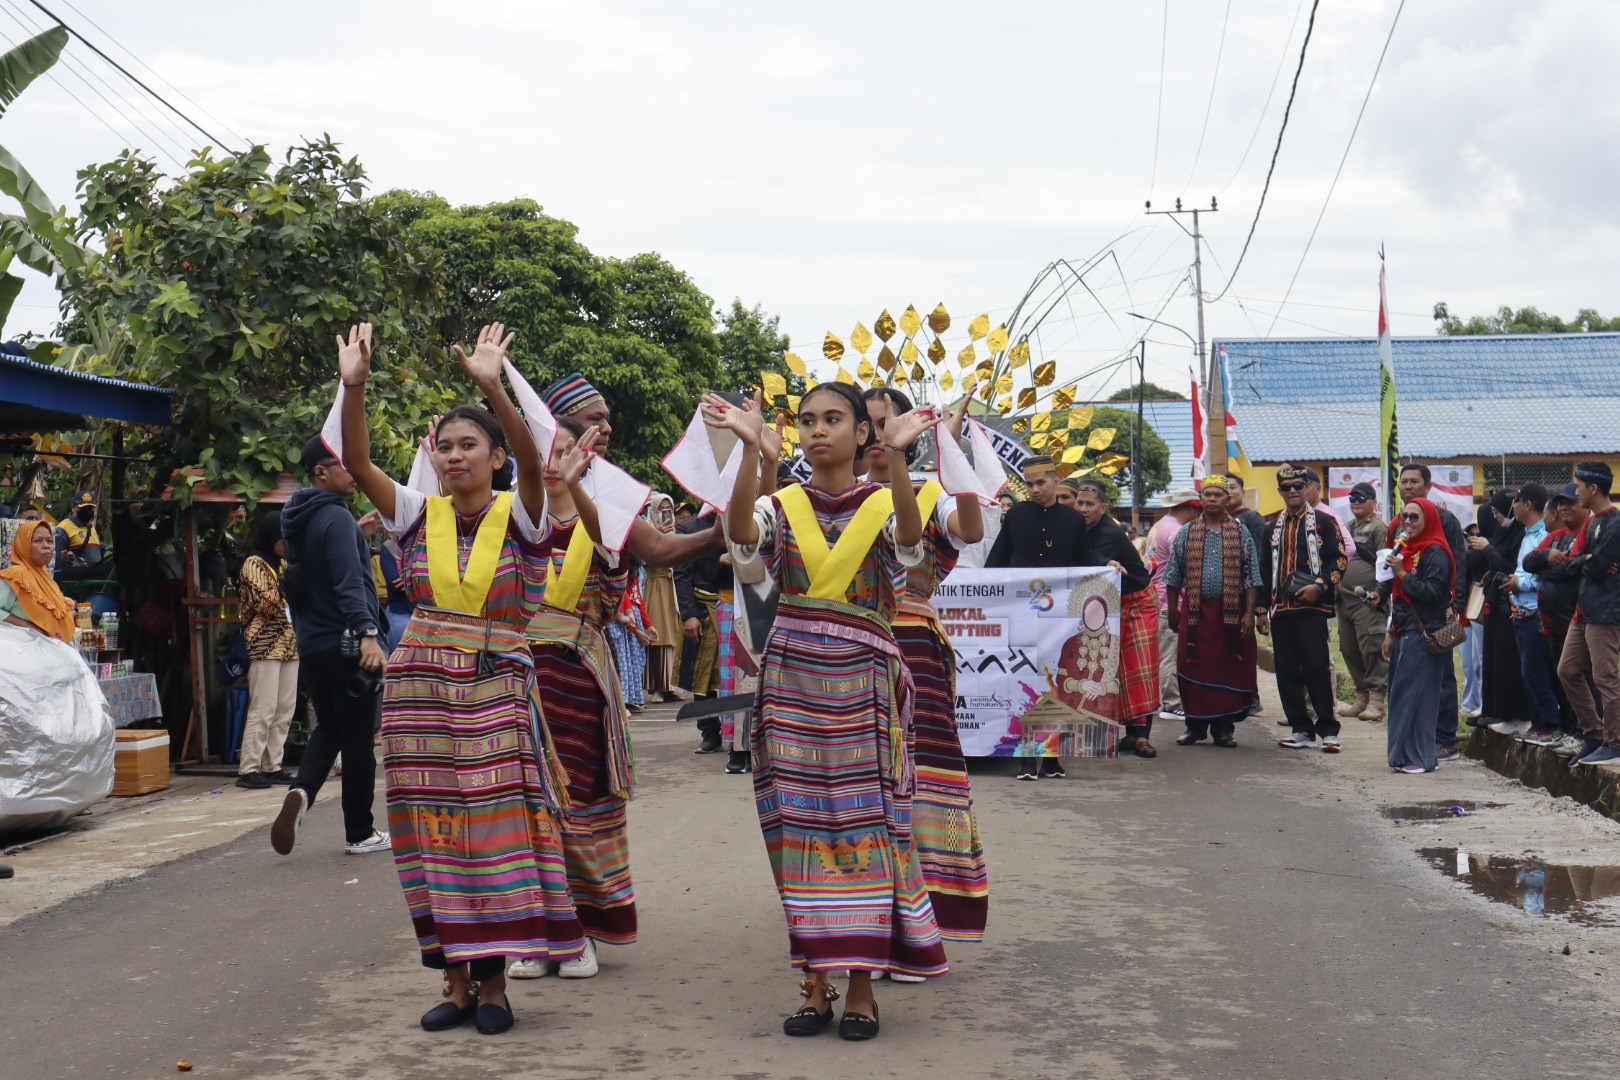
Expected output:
(695, 465)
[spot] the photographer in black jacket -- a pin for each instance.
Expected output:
(339, 624)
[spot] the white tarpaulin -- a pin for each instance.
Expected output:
(56, 736)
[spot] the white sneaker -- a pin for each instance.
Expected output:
(583, 966)
(897, 977)
(1330, 744)
(1568, 746)
(1299, 740)
(529, 969)
(1510, 727)
(375, 842)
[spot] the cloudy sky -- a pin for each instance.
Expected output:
(831, 160)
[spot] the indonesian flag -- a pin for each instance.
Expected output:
(1200, 451)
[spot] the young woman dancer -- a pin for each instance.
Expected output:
(474, 789)
(942, 823)
(585, 714)
(833, 776)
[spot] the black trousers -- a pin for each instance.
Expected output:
(1299, 643)
(343, 724)
(479, 970)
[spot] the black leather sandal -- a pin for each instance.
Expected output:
(807, 1021)
(857, 1028)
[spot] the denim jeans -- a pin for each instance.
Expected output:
(1538, 675)
(1473, 652)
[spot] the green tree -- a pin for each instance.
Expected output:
(231, 282)
(637, 328)
(1150, 392)
(752, 344)
(1526, 320)
(1155, 451)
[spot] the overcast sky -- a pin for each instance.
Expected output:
(831, 160)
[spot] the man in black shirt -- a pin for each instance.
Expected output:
(1138, 616)
(1039, 532)
(1244, 514)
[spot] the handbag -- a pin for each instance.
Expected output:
(1476, 601)
(1297, 582)
(1446, 638)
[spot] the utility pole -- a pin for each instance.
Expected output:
(1209, 373)
(1136, 437)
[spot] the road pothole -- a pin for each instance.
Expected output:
(1581, 894)
(1436, 811)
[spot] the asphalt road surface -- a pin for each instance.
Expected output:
(1215, 913)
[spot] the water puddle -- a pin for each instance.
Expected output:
(1580, 894)
(1436, 811)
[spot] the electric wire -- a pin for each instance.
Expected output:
(1158, 112)
(1260, 120)
(1209, 106)
(1396, 21)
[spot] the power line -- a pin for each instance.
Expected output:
(1209, 106)
(1158, 112)
(1346, 157)
(1287, 109)
(131, 77)
(1266, 107)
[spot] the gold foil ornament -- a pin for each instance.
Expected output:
(917, 371)
(1063, 398)
(775, 386)
(1004, 406)
(795, 364)
(861, 338)
(998, 339)
(936, 350)
(1081, 417)
(1060, 437)
(832, 348)
(1101, 439)
(946, 380)
(1045, 373)
(845, 377)
(939, 320)
(1042, 421)
(967, 357)
(1018, 355)
(910, 321)
(979, 327)
(884, 326)
(1004, 384)
(1074, 453)
(885, 358)
(1111, 463)
(866, 370)
(1020, 425)
(1026, 398)
(985, 369)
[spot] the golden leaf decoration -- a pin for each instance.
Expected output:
(998, 339)
(845, 377)
(979, 327)
(877, 380)
(1020, 425)
(917, 371)
(909, 353)
(1064, 470)
(946, 380)
(939, 320)
(1061, 437)
(899, 377)
(910, 321)
(985, 369)
(1004, 406)
(1026, 398)
(795, 364)
(1004, 384)
(1111, 464)
(810, 384)
(832, 348)
(1074, 453)
(1084, 471)
(1101, 439)
(987, 391)
(1042, 421)
(1037, 440)
(884, 326)
(885, 358)
(1018, 355)
(969, 381)
(1081, 417)
(861, 338)
(1045, 373)
(936, 350)
(967, 357)
(866, 370)
(794, 401)
(1063, 398)
(775, 386)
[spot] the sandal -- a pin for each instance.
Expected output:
(857, 1028)
(1144, 748)
(807, 1021)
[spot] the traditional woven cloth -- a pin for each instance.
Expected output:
(1139, 654)
(472, 784)
(570, 394)
(1195, 537)
(1217, 683)
(833, 772)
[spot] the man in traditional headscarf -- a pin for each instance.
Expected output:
(1185, 505)
(1039, 532)
(1306, 556)
(574, 396)
(1212, 582)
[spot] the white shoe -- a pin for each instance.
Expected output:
(583, 966)
(1568, 746)
(1330, 744)
(876, 975)
(529, 969)
(1511, 727)
(897, 977)
(375, 842)
(1299, 740)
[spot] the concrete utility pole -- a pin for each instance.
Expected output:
(1208, 373)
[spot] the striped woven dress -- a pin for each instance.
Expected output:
(942, 819)
(585, 713)
(473, 788)
(833, 770)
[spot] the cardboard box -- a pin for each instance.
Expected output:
(140, 761)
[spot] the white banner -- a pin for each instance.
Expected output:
(1341, 478)
(1037, 657)
(1454, 490)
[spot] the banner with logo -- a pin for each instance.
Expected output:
(1037, 660)
(1454, 490)
(1341, 478)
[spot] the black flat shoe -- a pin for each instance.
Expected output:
(492, 1019)
(857, 1028)
(1187, 738)
(1226, 741)
(447, 1015)
(1144, 748)
(737, 762)
(807, 1021)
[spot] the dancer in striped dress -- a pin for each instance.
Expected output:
(833, 772)
(943, 826)
(474, 786)
(585, 713)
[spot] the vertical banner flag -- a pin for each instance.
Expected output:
(1200, 451)
(1234, 448)
(1389, 443)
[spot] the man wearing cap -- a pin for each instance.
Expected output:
(77, 541)
(1557, 590)
(1161, 538)
(1039, 532)
(1306, 558)
(1212, 583)
(1138, 615)
(1592, 649)
(1362, 627)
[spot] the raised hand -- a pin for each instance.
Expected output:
(901, 431)
(956, 420)
(483, 367)
(722, 415)
(771, 440)
(573, 462)
(354, 355)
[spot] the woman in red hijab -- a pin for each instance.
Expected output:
(28, 594)
(1420, 598)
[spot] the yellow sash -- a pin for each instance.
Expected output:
(831, 569)
(928, 497)
(453, 589)
(564, 586)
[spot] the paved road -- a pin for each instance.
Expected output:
(1213, 914)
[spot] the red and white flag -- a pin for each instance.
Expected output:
(1200, 450)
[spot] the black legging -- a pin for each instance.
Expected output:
(479, 970)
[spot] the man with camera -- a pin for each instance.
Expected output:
(339, 624)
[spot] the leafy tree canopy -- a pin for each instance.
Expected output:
(1526, 320)
(751, 344)
(1150, 392)
(1155, 451)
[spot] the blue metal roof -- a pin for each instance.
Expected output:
(1470, 396)
(1171, 419)
(37, 397)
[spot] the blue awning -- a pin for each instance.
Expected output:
(39, 398)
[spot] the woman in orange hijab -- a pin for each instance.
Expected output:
(28, 594)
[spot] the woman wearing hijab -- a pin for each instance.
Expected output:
(272, 660)
(29, 596)
(1421, 595)
(1496, 551)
